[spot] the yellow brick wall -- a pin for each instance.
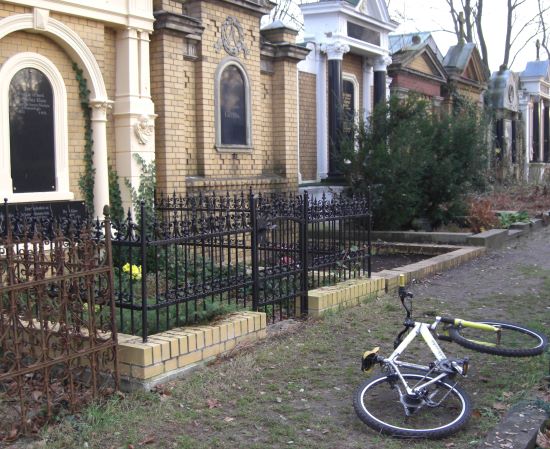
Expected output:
(173, 92)
(7, 9)
(183, 93)
(308, 126)
(101, 42)
(174, 6)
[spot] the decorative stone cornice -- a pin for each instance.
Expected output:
(335, 50)
(188, 26)
(284, 50)
(257, 8)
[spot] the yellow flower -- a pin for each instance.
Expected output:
(97, 308)
(134, 270)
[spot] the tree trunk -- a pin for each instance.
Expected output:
(508, 33)
(480, 36)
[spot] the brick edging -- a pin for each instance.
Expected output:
(177, 349)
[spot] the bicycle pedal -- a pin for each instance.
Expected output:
(369, 360)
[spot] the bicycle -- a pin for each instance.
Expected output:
(429, 403)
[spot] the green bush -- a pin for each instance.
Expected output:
(507, 219)
(418, 164)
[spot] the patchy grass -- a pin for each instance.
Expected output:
(295, 390)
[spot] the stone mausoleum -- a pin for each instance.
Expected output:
(193, 84)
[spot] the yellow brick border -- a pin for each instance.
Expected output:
(180, 348)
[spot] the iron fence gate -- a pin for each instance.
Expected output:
(196, 256)
(57, 332)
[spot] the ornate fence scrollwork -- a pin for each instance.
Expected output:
(57, 329)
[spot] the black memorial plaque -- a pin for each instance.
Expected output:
(32, 145)
(73, 210)
(233, 107)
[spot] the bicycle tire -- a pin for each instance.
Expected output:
(519, 341)
(383, 411)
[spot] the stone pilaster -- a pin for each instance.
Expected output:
(133, 109)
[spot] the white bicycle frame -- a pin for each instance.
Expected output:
(424, 330)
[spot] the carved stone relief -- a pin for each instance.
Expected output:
(232, 38)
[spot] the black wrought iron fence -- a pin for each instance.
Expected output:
(209, 254)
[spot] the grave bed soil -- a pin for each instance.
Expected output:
(390, 261)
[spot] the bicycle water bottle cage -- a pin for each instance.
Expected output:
(369, 359)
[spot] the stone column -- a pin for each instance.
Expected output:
(322, 114)
(546, 132)
(133, 110)
(525, 108)
(367, 83)
(100, 160)
(335, 53)
(536, 132)
(380, 87)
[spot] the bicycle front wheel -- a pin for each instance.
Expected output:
(512, 340)
(441, 408)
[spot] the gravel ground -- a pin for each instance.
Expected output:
(508, 271)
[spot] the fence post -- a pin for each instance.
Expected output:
(112, 310)
(143, 252)
(369, 228)
(303, 255)
(254, 243)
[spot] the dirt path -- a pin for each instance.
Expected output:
(510, 271)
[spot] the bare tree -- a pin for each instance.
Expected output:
(520, 32)
(544, 39)
(469, 14)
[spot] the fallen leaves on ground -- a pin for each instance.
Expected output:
(543, 438)
(213, 403)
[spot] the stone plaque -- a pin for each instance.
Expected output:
(32, 145)
(233, 107)
(47, 210)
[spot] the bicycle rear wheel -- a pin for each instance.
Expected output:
(514, 340)
(377, 403)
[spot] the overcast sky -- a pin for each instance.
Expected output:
(433, 15)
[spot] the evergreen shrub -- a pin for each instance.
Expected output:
(418, 164)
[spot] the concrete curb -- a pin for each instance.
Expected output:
(518, 429)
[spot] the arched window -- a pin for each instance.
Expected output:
(33, 125)
(350, 106)
(32, 144)
(232, 101)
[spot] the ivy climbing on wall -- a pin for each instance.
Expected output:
(86, 181)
